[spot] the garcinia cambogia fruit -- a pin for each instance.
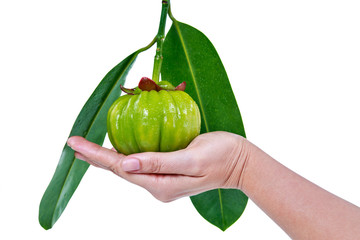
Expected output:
(153, 118)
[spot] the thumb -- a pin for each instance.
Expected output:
(178, 162)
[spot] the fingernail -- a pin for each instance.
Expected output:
(79, 156)
(131, 164)
(70, 142)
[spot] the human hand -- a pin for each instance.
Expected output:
(212, 160)
(226, 160)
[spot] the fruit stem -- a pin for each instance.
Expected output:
(160, 41)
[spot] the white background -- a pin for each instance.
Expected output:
(293, 66)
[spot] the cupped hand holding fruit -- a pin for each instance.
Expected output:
(155, 118)
(212, 160)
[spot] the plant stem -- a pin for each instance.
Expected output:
(147, 46)
(159, 42)
(171, 15)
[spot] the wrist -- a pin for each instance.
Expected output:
(237, 160)
(244, 159)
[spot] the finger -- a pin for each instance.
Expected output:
(178, 162)
(96, 154)
(83, 158)
(165, 187)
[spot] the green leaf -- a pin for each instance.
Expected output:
(190, 56)
(221, 207)
(91, 124)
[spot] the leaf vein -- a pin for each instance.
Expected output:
(176, 24)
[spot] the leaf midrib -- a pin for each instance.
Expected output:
(192, 74)
(92, 122)
(176, 24)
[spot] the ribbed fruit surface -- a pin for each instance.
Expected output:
(153, 121)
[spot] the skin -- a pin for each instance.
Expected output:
(225, 160)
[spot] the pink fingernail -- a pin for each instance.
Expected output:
(70, 142)
(79, 156)
(131, 164)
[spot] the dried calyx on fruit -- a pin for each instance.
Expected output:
(146, 84)
(153, 117)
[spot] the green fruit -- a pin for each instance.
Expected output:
(153, 121)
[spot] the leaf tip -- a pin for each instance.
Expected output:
(44, 225)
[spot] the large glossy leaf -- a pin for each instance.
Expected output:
(91, 124)
(190, 56)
